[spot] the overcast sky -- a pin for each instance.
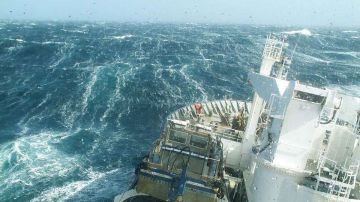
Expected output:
(274, 12)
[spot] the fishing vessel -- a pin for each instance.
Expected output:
(293, 142)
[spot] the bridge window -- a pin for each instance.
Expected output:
(308, 97)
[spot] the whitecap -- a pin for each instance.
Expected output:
(74, 31)
(78, 31)
(68, 190)
(116, 95)
(194, 82)
(97, 183)
(123, 36)
(304, 32)
(89, 88)
(34, 158)
(14, 48)
(349, 31)
(53, 42)
(20, 40)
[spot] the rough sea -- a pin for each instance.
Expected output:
(81, 103)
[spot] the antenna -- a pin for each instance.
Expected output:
(275, 50)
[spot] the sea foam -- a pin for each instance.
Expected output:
(304, 32)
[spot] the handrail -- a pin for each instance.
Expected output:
(204, 103)
(217, 130)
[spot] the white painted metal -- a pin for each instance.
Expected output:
(272, 53)
(127, 195)
(304, 125)
(297, 133)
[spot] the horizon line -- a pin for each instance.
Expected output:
(178, 23)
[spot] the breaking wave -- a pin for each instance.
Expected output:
(304, 32)
(123, 36)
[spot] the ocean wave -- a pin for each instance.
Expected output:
(20, 40)
(304, 32)
(61, 193)
(311, 59)
(353, 90)
(68, 114)
(15, 48)
(33, 160)
(115, 96)
(89, 88)
(349, 53)
(349, 31)
(75, 31)
(67, 191)
(196, 83)
(54, 42)
(123, 36)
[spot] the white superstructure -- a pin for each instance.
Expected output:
(305, 140)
